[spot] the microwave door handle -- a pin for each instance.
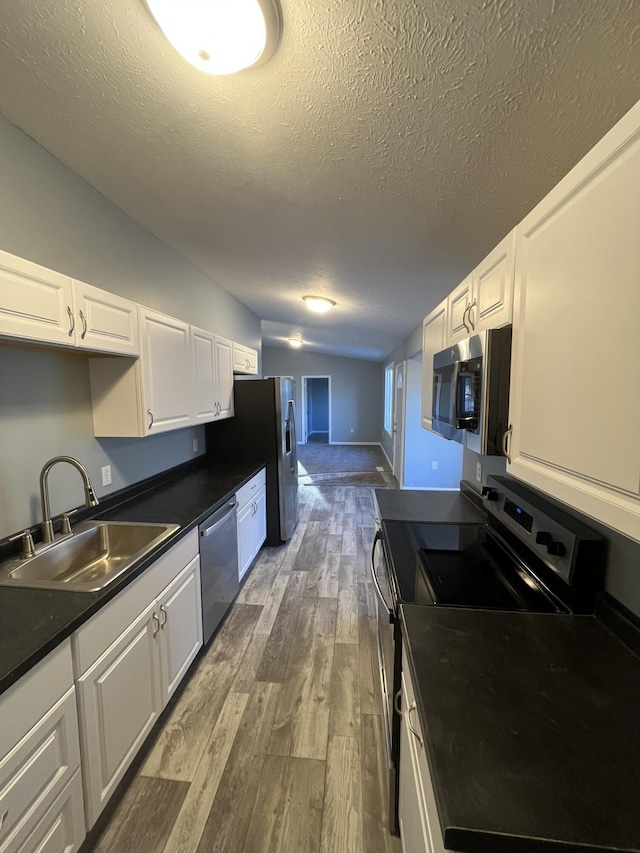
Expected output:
(454, 391)
(378, 538)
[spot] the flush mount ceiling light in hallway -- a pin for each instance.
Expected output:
(296, 343)
(319, 304)
(220, 36)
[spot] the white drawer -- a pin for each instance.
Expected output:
(37, 770)
(248, 492)
(29, 699)
(96, 635)
(62, 829)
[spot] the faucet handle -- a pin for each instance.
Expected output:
(65, 527)
(28, 548)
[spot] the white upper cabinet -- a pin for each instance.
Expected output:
(484, 300)
(245, 359)
(38, 304)
(104, 321)
(574, 405)
(35, 303)
(167, 371)
(213, 376)
(151, 394)
(433, 340)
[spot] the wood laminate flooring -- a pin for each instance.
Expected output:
(277, 741)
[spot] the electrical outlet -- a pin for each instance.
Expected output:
(434, 465)
(479, 471)
(195, 445)
(106, 475)
(352, 430)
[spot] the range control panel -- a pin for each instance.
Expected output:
(561, 541)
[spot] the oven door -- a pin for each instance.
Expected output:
(389, 663)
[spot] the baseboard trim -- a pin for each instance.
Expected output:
(368, 443)
(386, 455)
(430, 489)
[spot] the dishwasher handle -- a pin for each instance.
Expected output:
(207, 531)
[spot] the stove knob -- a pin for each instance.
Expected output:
(556, 549)
(543, 538)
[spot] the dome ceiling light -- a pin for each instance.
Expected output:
(319, 304)
(220, 36)
(296, 343)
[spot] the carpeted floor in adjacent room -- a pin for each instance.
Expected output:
(344, 465)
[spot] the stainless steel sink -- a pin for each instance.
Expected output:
(93, 556)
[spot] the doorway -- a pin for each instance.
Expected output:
(316, 409)
(398, 422)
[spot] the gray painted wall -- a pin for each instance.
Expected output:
(51, 216)
(356, 392)
(422, 447)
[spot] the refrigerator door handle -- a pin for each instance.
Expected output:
(291, 435)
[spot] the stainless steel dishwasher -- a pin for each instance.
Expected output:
(218, 565)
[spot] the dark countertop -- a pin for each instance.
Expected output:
(34, 621)
(416, 505)
(532, 729)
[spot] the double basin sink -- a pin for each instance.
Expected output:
(88, 559)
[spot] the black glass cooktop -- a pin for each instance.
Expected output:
(460, 566)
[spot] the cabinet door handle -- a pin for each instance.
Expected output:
(83, 320)
(150, 413)
(3, 817)
(396, 703)
(163, 610)
(154, 616)
(464, 318)
(506, 435)
(471, 321)
(414, 732)
(72, 321)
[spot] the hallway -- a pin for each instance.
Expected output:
(277, 743)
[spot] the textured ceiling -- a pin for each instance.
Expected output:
(376, 158)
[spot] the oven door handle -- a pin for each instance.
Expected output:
(378, 538)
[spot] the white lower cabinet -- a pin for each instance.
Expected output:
(123, 689)
(40, 798)
(252, 520)
(418, 816)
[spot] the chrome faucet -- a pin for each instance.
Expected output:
(89, 494)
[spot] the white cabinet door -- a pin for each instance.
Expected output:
(246, 538)
(180, 613)
(458, 303)
(167, 371)
(119, 700)
(433, 335)
(492, 292)
(224, 376)
(104, 321)
(35, 303)
(574, 406)
(484, 300)
(245, 359)
(413, 831)
(261, 518)
(204, 375)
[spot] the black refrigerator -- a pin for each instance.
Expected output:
(263, 430)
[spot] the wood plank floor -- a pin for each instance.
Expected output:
(277, 743)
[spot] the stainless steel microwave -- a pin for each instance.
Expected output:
(471, 391)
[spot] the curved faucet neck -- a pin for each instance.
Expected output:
(89, 494)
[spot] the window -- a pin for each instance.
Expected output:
(388, 397)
